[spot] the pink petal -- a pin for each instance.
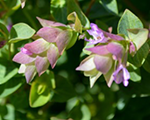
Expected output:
(100, 50)
(30, 72)
(37, 46)
(109, 76)
(113, 36)
(23, 58)
(41, 64)
(26, 51)
(23, 3)
(103, 63)
(52, 55)
(116, 49)
(87, 64)
(63, 39)
(49, 34)
(46, 23)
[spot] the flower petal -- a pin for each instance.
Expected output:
(109, 76)
(49, 34)
(116, 49)
(26, 51)
(126, 74)
(63, 39)
(46, 23)
(94, 26)
(30, 72)
(100, 50)
(37, 46)
(23, 58)
(87, 64)
(113, 36)
(52, 55)
(41, 64)
(22, 68)
(103, 63)
(119, 77)
(94, 78)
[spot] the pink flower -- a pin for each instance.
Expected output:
(102, 61)
(100, 36)
(35, 57)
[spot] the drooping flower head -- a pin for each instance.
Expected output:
(104, 59)
(35, 57)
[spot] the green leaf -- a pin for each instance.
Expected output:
(21, 31)
(74, 17)
(7, 71)
(83, 112)
(59, 10)
(63, 91)
(135, 75)
(41, 90)
(128, 21)
(138, 36)
(10, 87)
(12, 6)
(110, 5)
(3, 32)
(72, 40)
(73, 7)
(140, 56)
(146, 64)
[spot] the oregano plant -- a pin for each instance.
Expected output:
(74, 60)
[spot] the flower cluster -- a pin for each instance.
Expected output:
(36, 56)
(108, 57)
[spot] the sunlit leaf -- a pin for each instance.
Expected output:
(128, 21)
(72, 6)
(110, 5)
(138, 36)
(21, 31)
(74, 17)
(41, 90)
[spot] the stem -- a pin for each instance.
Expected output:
(89, 8)
(77, 2)
(4, 5)
(9, 50)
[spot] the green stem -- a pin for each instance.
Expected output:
(9, 50)
(4, 5)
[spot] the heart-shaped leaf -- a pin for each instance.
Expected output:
(128, 21)
(21, 31)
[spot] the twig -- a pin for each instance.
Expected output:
(4, 5)
(89, 8)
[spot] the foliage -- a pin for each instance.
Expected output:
(49, 39)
